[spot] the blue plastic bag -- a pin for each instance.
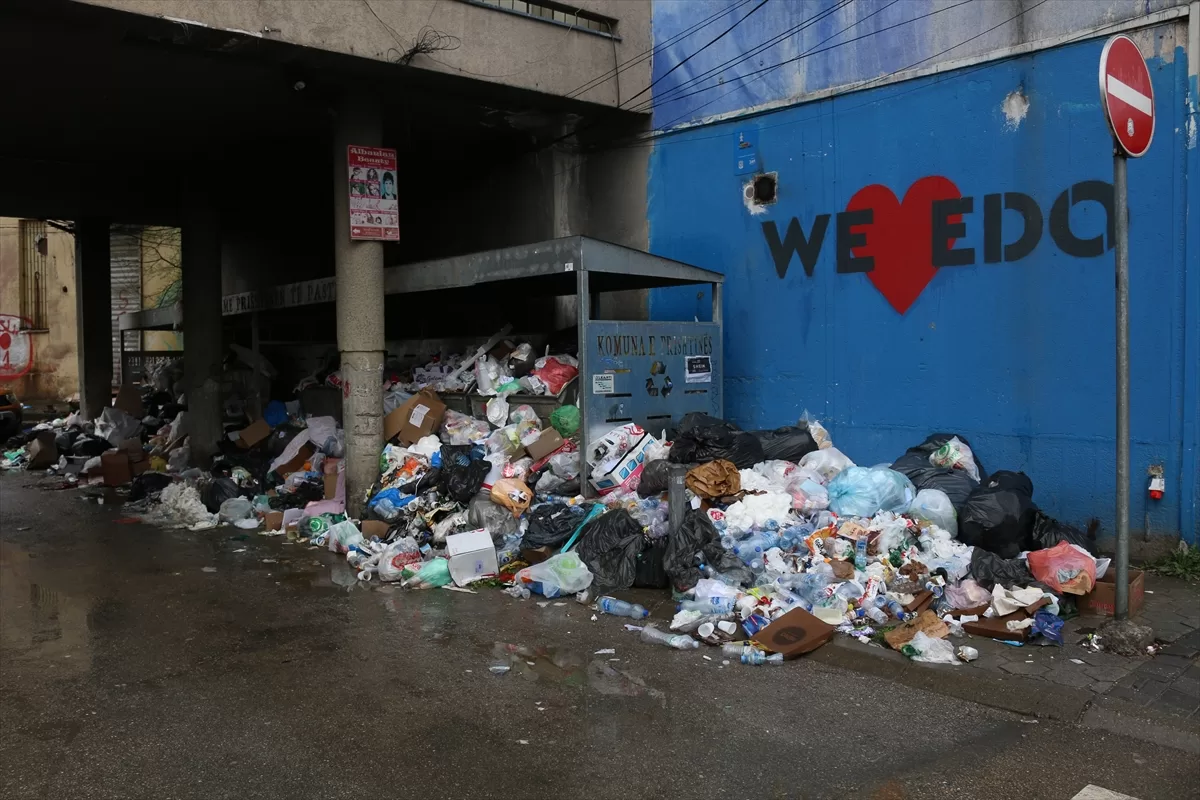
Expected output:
(1049, 625)
(863, 492)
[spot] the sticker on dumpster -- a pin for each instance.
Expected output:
(374, 207)
(699, 369)
(603, 383)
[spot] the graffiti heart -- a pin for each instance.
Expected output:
(902, 243)
(16, 347)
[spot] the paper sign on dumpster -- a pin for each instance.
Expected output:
(374, 209)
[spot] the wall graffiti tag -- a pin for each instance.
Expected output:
(900, 244)
(16, 347)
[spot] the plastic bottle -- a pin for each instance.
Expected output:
(892, 607)
(713, 604)
(860, 553)
(757, 658)
(875, 614)
(620, 608)
(752, 547)
(708, 572)
(734, 649)
(679, 641)
(935, 587)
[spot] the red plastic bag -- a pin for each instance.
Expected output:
(1065, 568)
(554, 373)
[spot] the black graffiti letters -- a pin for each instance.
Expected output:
(1013, 224)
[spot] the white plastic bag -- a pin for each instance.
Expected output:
(497, 410)
(827, 462)
(116, 426)
(934, 506)
(755, 510)
(955, 454)
(932, 651)
(560, 574)
(343, 536)
(236, 508)
(398, 555)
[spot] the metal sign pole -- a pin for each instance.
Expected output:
(1121, 232)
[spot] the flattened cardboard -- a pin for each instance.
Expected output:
(795, 633)
(253, 433)
(996, 627)
(921, 601)
(115, 468)
(926, 622)
(330, 486)
(419, 416)
(129, 400)
(544, 445)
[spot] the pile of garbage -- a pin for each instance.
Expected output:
(771, 541)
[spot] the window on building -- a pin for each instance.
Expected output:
(556, 12)
(34, 274)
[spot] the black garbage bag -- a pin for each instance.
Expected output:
(651, 572)
(697, 542)
(89, 446)
(216, 492)
(998, 516)
(701, 438)
(429, 481)
(550, 525)
(655, 476)
(65, 440)
(461, 476)
(956, 483)
(990, 568)
(789, 443)
(1048, 532)
(148, 483)
(609, 545)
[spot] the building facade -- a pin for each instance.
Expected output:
(912, 205)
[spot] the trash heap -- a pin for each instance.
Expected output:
(770, 541)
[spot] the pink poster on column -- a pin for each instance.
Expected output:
(374, 210)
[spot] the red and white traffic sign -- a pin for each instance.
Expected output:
(1127, 95)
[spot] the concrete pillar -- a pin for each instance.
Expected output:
(93, 305)
(359, 267)
(202, 347)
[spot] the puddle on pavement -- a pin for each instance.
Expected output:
(40, 622)
(564, 667)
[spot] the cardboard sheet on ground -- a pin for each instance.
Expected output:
(926, 622)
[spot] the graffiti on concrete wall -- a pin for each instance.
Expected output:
(16, 348)
(901, 243)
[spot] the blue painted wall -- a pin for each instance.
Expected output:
(1018, 356)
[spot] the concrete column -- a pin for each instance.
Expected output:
(202, 347)
(93, 305)
(359, 267)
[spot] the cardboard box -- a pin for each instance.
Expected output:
(627, 470)
(374, 527)
(330, 486)
(129, 400)
(253, 433)
(544, 445)
(42, 451)
(138, 467)
(795, 633)
(297, 463)
(1102, 599)
(273, 520)
(114, 466)
(330, 465)
(419, 416)
(472, 556)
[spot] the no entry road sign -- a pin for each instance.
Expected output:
(1127, 95)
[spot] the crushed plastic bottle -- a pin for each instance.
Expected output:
(713, 604)
(679, 641)
(757, 658)
(621, 608)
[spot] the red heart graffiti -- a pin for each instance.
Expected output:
(899, 238)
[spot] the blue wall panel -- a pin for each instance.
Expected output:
(1018, 356)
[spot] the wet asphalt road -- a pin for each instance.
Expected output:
(127, 670)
